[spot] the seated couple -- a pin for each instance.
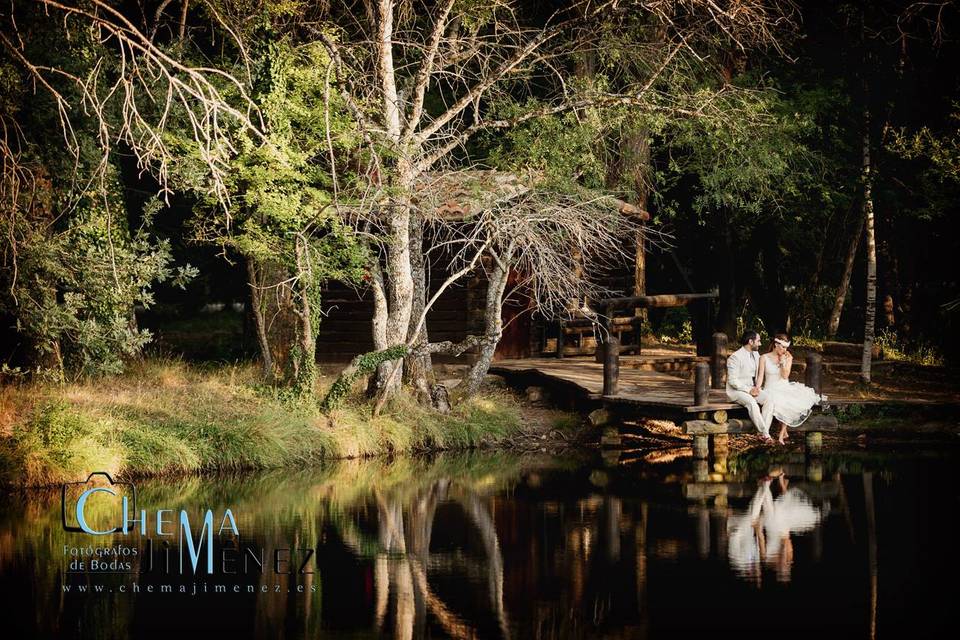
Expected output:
(762, 385)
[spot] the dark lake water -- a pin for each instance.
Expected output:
(490, 545)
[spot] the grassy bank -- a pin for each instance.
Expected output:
(168, 417)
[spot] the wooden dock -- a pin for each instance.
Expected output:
(640, 385)
(631, 387)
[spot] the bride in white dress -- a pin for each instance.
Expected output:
(789, 402)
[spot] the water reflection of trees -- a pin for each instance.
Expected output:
(273, 510)
(401, 565)
(461, 546)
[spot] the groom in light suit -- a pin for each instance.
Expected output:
(742, 380)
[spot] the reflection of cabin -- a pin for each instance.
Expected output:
(346, 330)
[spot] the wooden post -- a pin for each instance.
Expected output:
(703, 531)
(560, 339)
(720, 444)
(720, 449)
(701, 446)
(814, 442)
(718, 360)
(701, 471)
(720, 464)
(701, 390)
(611, 365)
(814, 366)
(610, 437)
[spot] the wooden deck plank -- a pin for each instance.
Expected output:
(638, 386)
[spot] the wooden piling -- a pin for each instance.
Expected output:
(718, 357)
(701, 447)
(814, 442)
(701, 390)
(701, 470)
(610, 437)
(720, 444)
(611, 365)
(814, 471)
(813, 372)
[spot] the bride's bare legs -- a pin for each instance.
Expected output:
(782, 439)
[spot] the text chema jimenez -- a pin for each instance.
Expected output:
(162, 540)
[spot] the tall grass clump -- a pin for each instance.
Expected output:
(164, 417)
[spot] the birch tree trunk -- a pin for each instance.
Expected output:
(868, 220)
(493, 325)
(305, 357)
(419, 369)
(834, 323)
(398, 277)
(399, 295)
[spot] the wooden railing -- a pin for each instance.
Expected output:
(611, 345)
(606, 308)
(707, 375)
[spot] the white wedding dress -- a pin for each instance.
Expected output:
(792, 512)
(790, 402)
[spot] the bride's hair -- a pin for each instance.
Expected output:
(778, 336)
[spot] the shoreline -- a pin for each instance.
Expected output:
(167, 417)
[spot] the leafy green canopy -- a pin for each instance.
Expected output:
(283, 188)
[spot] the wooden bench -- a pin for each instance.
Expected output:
(615, 317)
(703, 431)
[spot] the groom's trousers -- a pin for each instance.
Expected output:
(752, 404)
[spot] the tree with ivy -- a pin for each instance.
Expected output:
(287, 213)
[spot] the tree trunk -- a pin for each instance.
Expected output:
(834, 323)
(305, 354)
(256, 309)
(418, 366)
(277, 316)
(727, 312)
(493, 325)
(393, 305)
(774, 312)
(399, 288)
(639, 169)
(868, 218)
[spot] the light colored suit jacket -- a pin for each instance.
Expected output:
(742, 370)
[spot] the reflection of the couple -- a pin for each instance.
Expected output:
(761, 534)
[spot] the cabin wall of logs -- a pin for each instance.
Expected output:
(345, 330)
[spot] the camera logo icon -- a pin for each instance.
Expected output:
(97, 506)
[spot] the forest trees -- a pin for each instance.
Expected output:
(73, 266)
(283, 218)
(435, 80)
(283, 146)
(306, 137)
